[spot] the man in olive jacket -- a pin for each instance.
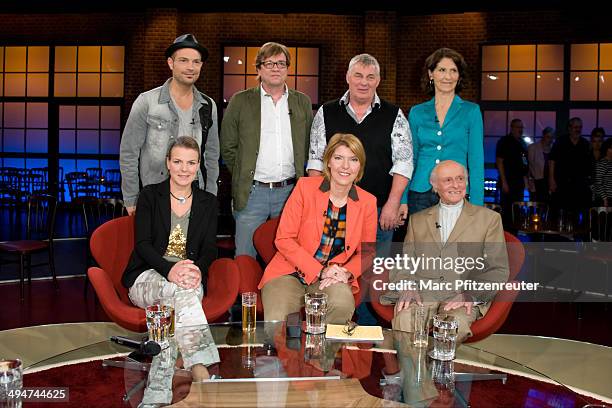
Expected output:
(264, 143)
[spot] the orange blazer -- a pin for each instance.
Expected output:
(301, 226)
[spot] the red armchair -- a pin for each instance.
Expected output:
(500, 307)
(111, 247)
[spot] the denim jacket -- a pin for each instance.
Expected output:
(153, 122)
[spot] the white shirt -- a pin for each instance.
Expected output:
(448, 216)
(275, 158)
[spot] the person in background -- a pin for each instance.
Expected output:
(444, 128)
(602, 186)
(323, 237)
(175, 231)
(160, 115)
(537, 156)
(598, 135)
(511, 163)
(264, 143)
(570, 169)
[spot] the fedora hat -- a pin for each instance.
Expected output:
(187, 41)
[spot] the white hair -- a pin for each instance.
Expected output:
(364, 59)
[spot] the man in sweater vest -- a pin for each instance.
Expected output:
(385, 134)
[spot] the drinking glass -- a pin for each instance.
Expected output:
(249, 311)
(316, 312)
(11, 381)
(445, 337)
(421, 326)
(158, 324)
(168, 303)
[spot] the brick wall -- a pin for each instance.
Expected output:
(399, 42)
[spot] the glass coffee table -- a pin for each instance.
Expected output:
(267, 368)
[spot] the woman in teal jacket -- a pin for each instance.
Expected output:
(444, 128)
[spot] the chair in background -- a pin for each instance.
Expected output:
(111, 246)
(79, 185)
(500, 306)
(39, 238)
(40, 184)
(111, 183)
(95, 212)
(600, 224)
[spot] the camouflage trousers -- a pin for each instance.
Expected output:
(195, 343)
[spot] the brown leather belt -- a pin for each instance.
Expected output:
(275, 184)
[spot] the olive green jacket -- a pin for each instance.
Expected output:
(240, 136)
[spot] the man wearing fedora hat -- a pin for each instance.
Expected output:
(160, 115)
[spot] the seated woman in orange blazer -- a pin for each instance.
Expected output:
(320, 235)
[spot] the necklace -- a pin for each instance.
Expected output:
(181, 200)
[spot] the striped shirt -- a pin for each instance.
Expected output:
(603, 179)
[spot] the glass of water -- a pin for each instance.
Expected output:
(316, 312)
(11, 381)
(445, 337)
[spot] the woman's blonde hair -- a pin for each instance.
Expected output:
(354, 145)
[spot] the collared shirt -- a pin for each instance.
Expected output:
(401, 139)
(275, 158)
(448, 216)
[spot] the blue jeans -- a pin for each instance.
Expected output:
(420, 201)
(264, 203)
(383, 238)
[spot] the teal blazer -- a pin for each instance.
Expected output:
(460, 139)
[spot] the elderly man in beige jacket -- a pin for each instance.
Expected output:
(462, 249)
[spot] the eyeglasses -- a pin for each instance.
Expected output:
(187, 61)
(271, 64)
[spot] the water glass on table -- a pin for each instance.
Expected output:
(445, 337)
(159, 324)
(316, 312)
(421, 326)
(249, 311)
(11, 381)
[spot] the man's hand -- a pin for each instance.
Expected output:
(314, 173)
(131, 210)
(406, 297)
(505, 187)
(389, 215)
(552, 185)
(402, 214)
(457, 302)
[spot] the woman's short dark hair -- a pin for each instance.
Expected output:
(186, 142)
(431, 63)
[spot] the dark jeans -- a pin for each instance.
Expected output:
(420, 201)
(506, 200)
(541, 191)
